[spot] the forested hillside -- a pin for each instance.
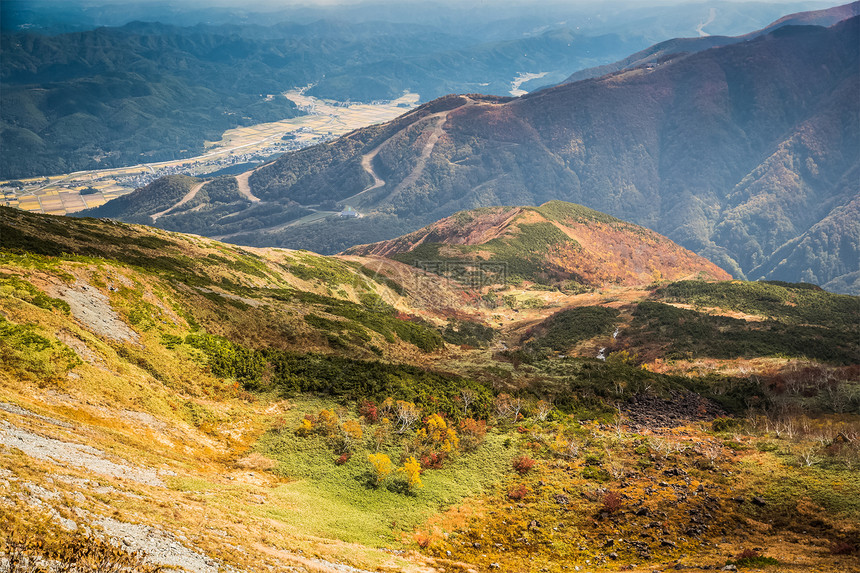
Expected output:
(149, 92)
(114, 90)
(732, 152)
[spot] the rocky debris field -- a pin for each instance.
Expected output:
(650, 411)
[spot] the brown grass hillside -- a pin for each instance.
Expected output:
(168, 402)
(590, 248)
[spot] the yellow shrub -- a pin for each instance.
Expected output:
(327, 422)
(412, 469)
(305, 428)
(380, 466)
(352, 430)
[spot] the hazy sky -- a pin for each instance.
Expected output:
(69, 15)
(275, 4)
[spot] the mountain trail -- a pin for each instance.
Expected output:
(367, 159)
(367, 165)
(71, 454)
(188, 197)
(700, 28)
(437, 132)
(245, 187)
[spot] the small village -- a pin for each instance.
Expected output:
(237, 150)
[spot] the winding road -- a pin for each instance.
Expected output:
(438, 130)
(188, 197)
(700, 28)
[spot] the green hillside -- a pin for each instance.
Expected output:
(364, 412)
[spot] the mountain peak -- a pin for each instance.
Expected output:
(553, 243)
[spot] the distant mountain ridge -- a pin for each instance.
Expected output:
(680, 47)
(149, 91)
(732, 152)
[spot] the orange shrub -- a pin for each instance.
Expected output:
(523, 464)
(472, 433)
(518, 492)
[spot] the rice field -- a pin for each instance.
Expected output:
(61, 194)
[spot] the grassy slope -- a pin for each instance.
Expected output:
(166, 402)
(550, 244)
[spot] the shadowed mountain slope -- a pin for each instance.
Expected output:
(731, 152)
(681, 47)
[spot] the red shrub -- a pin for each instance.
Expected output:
(523, 464)
(611, 501)
(343, 458)
(746, 554)
(518, 493)
(433, 460)
(843, 548)
(369, 411)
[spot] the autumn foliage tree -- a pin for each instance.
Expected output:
(508, 407)
(369, 412)
(351, 432)
(412, 472)
(407, 415)
(380, 467)
(472, 433)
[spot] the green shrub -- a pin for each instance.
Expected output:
(726, 424)
(595, 474)
(564, 329)
(691, 334)
(24, 350)
(468, 332)
(13, 286)
(171, 341)
(795, 304)
(226, 359)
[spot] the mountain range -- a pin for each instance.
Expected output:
(472, 383)
(88, 86)
(745, 153)
(681, 47)
(147, 91)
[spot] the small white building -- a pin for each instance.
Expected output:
(349, 213)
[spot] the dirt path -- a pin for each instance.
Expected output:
(700, 28)
(367, 159)
(425, 154)
(367, 165)
(245, 187)
(188, 197)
